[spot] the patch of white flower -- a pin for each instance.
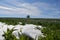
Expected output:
(28, 29)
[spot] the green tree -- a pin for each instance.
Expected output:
(28, 16)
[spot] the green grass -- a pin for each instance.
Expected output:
(52, 30)
(9, 36)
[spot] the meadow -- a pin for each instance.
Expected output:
(52, 30)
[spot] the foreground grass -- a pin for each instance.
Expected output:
(52, 30)
(9, 36)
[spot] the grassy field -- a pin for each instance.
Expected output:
(52, 30)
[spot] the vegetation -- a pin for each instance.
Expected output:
(28, 16)
(9, 36)
(52, 30)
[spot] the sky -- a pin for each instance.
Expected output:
(34, 8)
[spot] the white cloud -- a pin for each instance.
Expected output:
(2, 7)
(22, 8)
(25, 8)
(34, 9)
(45, 7)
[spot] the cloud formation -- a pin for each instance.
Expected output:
(35, 9)
(24, 9)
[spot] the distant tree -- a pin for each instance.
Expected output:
(28, 16)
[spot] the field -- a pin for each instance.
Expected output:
(52, 30)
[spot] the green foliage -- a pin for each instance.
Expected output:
(23, 23)
(52, 30)
(28, 16)
(50, 34)
(8, 35)
(25, 37)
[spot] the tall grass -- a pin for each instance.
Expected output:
(52, 30)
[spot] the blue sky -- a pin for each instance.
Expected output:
(34, 8)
